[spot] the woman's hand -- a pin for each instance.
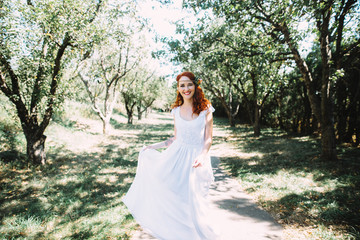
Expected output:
(147, 147)
(199, 161)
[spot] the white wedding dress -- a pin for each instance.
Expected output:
(168, 195)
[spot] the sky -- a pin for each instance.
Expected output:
(161, 15)
(161, 19)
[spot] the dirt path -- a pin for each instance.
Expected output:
(233, 212)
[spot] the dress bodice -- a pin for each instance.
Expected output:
(190, 132)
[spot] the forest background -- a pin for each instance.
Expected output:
(288, 65)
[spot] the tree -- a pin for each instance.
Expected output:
(103, 71)
(204, 56)
(111, 55)
(151, 88)
(227, 56)
(279, 20)
(140, 90)
(255, 84)
(34, 40)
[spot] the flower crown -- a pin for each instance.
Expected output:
(197, 81)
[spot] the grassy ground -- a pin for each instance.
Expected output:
(311, 198)
(78, 194)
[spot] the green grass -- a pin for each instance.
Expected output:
(77, 195)
(285, 175)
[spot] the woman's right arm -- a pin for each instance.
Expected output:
(163, 144)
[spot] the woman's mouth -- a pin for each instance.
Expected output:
(187, 93)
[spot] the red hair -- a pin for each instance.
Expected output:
(200, 103)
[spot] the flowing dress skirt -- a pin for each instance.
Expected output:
(168, 195)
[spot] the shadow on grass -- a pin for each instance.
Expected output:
(72, 190)
(142, 126)
(118, 112)
(278, 150)
(334, 207)
(146, 133)
(77, 195)
(328, 193)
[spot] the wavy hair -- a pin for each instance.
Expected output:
(200, 103)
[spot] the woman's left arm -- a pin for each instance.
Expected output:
(208, 140)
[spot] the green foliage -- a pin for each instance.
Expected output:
(236, 38)
(239, 63)
(33, 54)
(141, 88)
(31, 38)
(11, 139)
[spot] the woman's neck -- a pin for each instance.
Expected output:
(188, 103)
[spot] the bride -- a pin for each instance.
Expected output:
(168, 195)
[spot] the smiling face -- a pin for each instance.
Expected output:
(186, 87)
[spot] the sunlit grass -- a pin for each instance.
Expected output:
(311, 198)
(78, 194)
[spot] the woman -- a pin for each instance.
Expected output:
(168, 194)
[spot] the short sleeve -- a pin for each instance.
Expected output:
(173, 111)
(210, 109)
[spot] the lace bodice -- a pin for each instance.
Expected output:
(190, 132)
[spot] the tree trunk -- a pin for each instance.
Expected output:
(227, 110)
(307, 128)
(279, 101)
(320, 109)
(353, 127)
(256, 120)
(357, 133)
(328, 147)
(130, 117)
(328, 144)
(129, 106)
(249, 112)
(231, 121)
(228, 113)
(35, 148)
(354, 108)
(294, 125)
(341, 110)
(256, 106)
(230, 102)
(139, 112)
(106, 123)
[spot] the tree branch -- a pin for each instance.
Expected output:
(240, 52)
(91, 95)
(5, 89)
(338, 53)
(54, 83)
(351, 47)
(14, 79)
(29, 3)
(96, 11)
(36, 88)
(103, 69)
